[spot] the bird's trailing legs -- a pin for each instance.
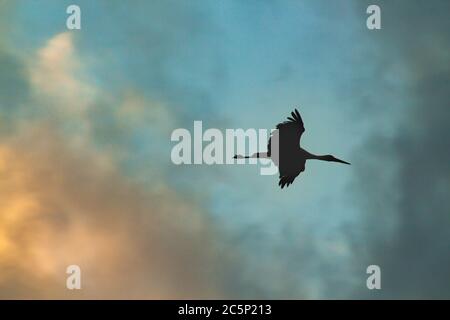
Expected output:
(255, 155)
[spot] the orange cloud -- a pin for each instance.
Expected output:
(63, 204)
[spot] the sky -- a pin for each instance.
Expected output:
(86, 176)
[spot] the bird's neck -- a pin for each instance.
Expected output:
(311, 156)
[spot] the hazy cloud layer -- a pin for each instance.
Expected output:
(85, 172)
(64, 201)
(403, 178)
(64, 205)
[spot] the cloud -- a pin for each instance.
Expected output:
(65, 200)
(57, 71)
(63, 205)
(403, 177)
(80, 124)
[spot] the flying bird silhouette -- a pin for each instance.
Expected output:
(285, 151)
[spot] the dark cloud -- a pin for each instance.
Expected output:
(403, 178)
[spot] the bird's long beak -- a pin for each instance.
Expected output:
(341, 161)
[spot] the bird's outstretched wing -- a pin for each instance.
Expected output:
(287, 180)
(289, 132)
